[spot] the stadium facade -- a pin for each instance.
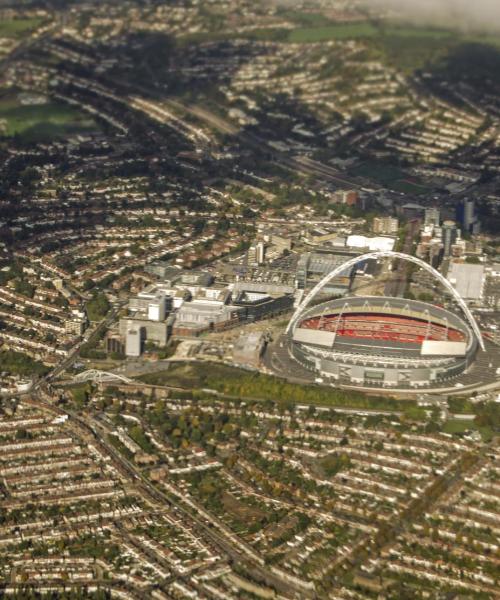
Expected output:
(383, 342)
(380, 341)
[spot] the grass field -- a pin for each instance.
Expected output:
(40, 122)
(459, 426)
(315, 28)
(409, 187)
(382, 172)
(17, 28)
(240, 510)
(390, 176)
(407, 47)
(338, 31)
(318, 31)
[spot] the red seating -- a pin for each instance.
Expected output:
(383, 327)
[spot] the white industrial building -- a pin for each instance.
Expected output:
(373, 244)
(204, 314)
(468, 280)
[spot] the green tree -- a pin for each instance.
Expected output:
(97, 307)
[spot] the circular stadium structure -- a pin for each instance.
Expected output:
(386, 342)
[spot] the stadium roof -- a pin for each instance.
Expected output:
(437, 348)
(314, 336)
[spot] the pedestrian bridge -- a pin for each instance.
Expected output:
(101, 377)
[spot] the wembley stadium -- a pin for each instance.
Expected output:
(384, 342)
(381, 341)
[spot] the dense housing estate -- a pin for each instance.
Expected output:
(249, 302)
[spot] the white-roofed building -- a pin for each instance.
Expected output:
(373, 244)
(194, 317)
(468, 280)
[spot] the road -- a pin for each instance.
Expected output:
(71, 358)
(91, 429)
(396, 286)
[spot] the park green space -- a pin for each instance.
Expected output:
(363, 30)
(315, 28)
(42, 121)
(17, 28)
(320, 30)
(97, 307)
(390, 176)
(240, 383)
(336, 31)
(406, 46)
(17, 363)
(460, 426)
(200, 378)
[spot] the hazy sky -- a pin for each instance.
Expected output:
(471, 14)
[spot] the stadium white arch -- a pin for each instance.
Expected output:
(375, 256)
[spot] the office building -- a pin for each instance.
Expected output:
(466, 216)
(449, 235)
(164, 271)
(151, 302)
(155, 331)
(432, 217)
(157, 308)
(133, 343)
(385, 225)
(115, 343)
(258, 305)
(74, 326)
(198, 316)
(313, 266)
(256, 253)
(347, 197)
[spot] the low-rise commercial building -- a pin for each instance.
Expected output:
(198, 316)
(155, 331)
(468, 280)
(248, 349)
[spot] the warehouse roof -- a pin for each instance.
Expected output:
(467, 279)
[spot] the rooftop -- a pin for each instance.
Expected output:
(467, 279)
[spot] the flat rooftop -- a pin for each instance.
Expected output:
(467, 279)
